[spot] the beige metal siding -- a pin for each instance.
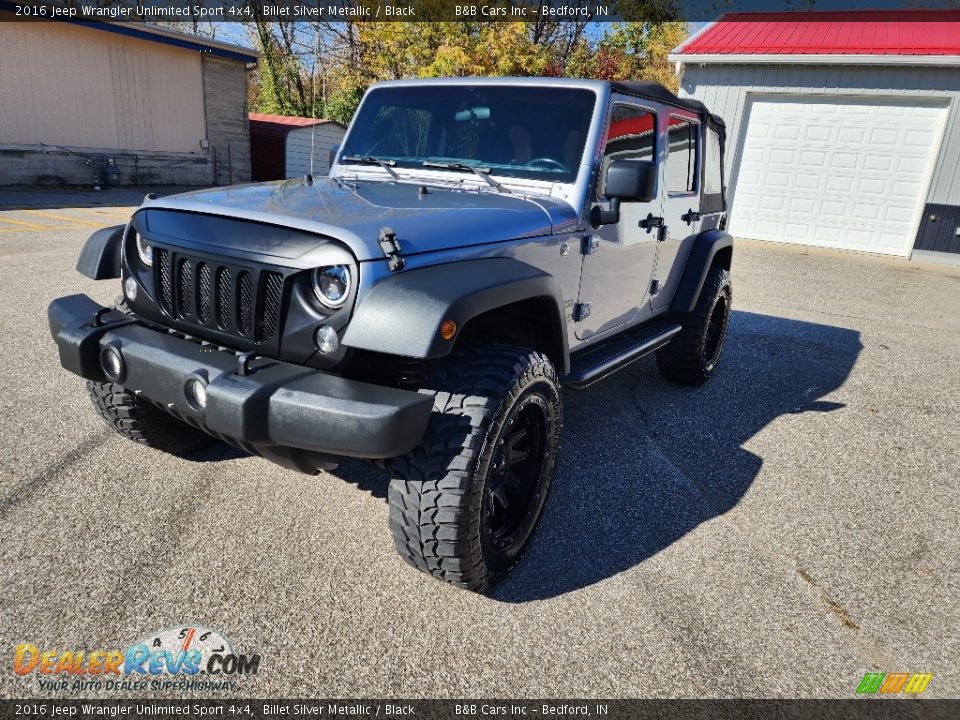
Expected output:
(62, 84)
(725, 88)
(298, 149)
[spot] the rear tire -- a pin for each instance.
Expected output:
(465, 503)
(692, 356)
(138, 420)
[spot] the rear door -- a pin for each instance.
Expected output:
(681, 202)
(619, 262)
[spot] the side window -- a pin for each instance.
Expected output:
(712, 177)
(682, 156)
(632, 135)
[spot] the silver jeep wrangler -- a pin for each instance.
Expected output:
(478, 244)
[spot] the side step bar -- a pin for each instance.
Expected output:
(595, 363)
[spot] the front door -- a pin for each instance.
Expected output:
(620, 257)
(681, 202)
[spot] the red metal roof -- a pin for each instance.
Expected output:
(872, 32)
(287, 120)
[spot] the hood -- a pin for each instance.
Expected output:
(353, 212)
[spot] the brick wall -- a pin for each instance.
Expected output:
(228, 128)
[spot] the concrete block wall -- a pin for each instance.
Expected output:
(53, 166)
(228, 127)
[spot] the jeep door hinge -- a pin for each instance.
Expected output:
(581, 311)
(654, 287)
(391, 249)
(589, 244)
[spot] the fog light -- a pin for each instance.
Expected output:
(130, 289)
(112, 363)
(326, 339)
(196, 392)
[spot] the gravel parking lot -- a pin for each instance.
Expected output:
(776, 533)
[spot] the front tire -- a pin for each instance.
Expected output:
(138, 420)
(692, 356)
(465, 503)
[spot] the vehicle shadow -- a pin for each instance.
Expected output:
(644, 461)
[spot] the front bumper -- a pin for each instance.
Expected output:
(275, 405)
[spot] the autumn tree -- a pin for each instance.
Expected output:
(323, 69)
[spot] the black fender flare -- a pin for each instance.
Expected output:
(705, 248)
(100, 257)
(402, 314)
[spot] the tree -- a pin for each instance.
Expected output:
(322, 69)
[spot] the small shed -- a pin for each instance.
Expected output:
(844, 127)
(281, 146)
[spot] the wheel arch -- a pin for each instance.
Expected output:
(486, 298)
(100, 257)
(529, 323)
(711, 248)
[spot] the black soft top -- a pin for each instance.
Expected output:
(655, 91)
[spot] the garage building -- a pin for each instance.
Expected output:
(283, 147)
(165, 107)
(843, 127)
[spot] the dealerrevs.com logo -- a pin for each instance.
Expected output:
(188, 657)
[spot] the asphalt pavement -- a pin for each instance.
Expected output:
(778, 532)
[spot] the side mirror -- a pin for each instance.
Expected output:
(631, 180)
(334, 151)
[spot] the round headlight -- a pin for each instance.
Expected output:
(144, 249)
(331, 285)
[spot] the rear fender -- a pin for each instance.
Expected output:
(709, 248)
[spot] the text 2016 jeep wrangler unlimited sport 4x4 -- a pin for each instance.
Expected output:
(477, 245)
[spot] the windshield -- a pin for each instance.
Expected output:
(520, 131)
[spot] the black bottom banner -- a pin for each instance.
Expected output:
(859, 709)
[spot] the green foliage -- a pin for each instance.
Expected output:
(322, 69)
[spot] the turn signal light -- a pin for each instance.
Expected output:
(448, 328)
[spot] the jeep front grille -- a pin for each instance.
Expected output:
(242, 302)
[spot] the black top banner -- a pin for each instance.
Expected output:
(583, 11)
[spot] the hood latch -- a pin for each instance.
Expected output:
(391, 249)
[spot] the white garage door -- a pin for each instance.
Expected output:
(843, 173)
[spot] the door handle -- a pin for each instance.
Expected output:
(691, 217)
(650, 222)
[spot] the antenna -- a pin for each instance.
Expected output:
(313, 93)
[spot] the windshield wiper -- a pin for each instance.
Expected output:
(371, 160)
(479, 171)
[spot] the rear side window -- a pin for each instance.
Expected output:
(682, 156)
(632, 135)
(712, 177)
